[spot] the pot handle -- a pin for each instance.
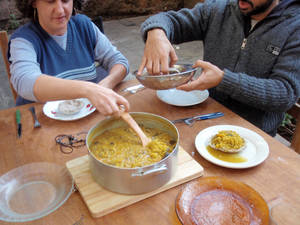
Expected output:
(162, 169)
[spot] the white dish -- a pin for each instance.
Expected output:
(50, 109)
(256, 151)
(182, 98)
(33, 191)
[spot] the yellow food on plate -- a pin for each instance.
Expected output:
(228, 141)
(121, 147)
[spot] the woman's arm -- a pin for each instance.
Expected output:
(107, 102)
(31, 84)
(110, 59)
(115, 76)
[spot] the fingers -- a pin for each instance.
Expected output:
(106, 101)
(142, 66)
(189, 86)
(164, 65)
(173, 58)
(159, 54)
(203, 64)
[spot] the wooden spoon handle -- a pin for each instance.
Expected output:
(133, 124)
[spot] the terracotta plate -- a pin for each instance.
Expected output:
(218, 200)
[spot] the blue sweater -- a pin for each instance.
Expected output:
(74, 62)
(262, 76)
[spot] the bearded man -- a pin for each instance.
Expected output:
(251, 54)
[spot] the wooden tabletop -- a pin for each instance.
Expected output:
(278, 177)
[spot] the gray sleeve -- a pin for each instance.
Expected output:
(181, 26)
(106, 54)
(278, 92)
(24, 67)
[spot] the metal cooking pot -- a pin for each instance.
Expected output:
(140, 179)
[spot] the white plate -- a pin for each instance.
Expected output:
(182, 98)
(256, 151)
(50, 109)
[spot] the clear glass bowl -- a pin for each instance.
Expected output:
(167, 81)
(34, 190)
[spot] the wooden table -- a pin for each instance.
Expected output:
(277, 177)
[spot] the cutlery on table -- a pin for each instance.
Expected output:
(134, 89)
(19, 125)
(191, 120)
(36, 122)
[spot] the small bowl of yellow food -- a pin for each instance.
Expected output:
(228, 141)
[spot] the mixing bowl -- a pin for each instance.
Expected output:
(178, 75)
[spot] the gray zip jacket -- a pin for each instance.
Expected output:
(262, 67)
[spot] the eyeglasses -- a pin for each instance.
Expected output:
(68, 142)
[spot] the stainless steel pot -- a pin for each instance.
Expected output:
(134, 180)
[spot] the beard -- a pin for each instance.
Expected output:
(257, 9)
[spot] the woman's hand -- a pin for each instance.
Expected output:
(210, 77)
(158, 50)
(106, 101)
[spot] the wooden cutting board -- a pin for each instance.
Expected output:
(101, 201)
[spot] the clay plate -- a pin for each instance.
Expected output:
(218, 200)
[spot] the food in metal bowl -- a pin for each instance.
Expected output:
(178, 75)
(228, 141)
(121, 147)
(135, 180)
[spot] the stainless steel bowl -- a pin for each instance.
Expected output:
(167, 81)
(140, 179)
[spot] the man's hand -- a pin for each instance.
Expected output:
(210, 77)
(157, 53)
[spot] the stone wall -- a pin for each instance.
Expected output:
(121, 8)
(10, 17)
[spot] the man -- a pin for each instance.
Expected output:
(251, 54)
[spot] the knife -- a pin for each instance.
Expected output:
(19, 125)
(134, 89)
(190, 120)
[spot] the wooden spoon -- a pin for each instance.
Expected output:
(133, 124)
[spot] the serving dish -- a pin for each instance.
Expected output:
(167, 81)
(140, 179)
(219, 200)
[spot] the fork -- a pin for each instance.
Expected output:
(190, 120)
(36, 122)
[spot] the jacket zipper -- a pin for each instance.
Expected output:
(242, 48)
(244, 43)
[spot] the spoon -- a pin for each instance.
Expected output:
(133, 124)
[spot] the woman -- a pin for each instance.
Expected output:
(52, 57)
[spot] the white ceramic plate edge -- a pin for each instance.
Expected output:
(52, 106)
(251, 136)
(167, 96)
